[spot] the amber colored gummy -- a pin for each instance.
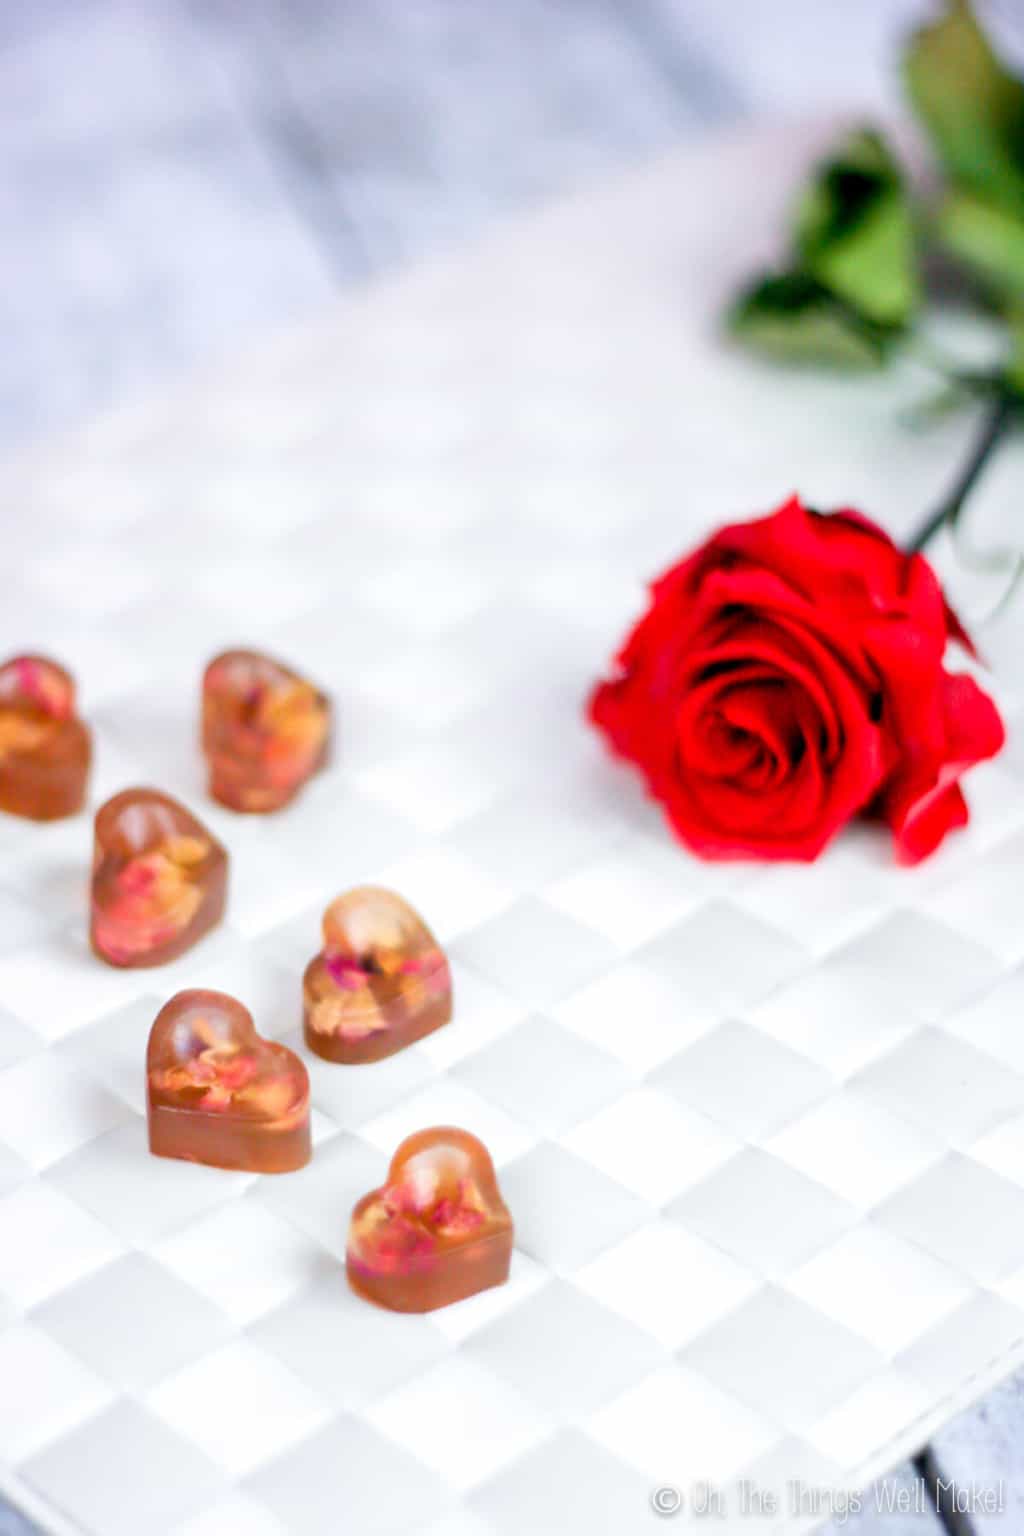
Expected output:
(437, 1231)
(218, 1093)
(45, 749)
(159, 880)
(380, 983)
(265, 730)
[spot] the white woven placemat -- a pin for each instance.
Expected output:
(761, 1129)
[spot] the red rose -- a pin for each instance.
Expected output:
(788, 676)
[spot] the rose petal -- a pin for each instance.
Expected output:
(973, 731)
(932, 817)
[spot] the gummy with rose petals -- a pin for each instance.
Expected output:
(380, 982)
(437, 1231)
(45, 750)
(159, 879)
(266, 730)
(217, 1093)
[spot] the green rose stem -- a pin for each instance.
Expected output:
(994, 429)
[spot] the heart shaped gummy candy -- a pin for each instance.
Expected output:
(266, 730)
(438, 1231)
(218, 1093)
(45, 750)
(380, 982)
(159, 879)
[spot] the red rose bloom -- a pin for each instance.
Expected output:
(788, 676)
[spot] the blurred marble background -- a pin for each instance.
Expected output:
(179, 176)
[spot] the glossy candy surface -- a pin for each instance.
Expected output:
(217, 1093)
(159, 879)
(45, 749)
(437, 1232)
(266, 730)
(380, 982)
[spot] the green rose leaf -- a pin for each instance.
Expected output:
(1015, 365)
(792, 317)
(855, 232)
(986, 237)
(971, 106)
(851, 286)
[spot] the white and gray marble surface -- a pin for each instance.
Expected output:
(182, 176)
